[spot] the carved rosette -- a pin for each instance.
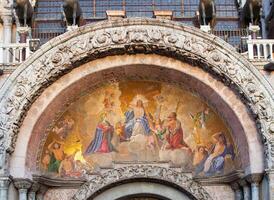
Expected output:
(98, 182)
(132, 36)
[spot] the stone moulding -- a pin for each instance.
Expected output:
(58, 182)
(131, 36)
(224, 179)
(145, 172)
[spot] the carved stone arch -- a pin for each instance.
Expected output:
(146, 172)
(130, 36)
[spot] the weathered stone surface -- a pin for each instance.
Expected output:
(132, 36)
(170, 175)
(60, 194)
(67, 89)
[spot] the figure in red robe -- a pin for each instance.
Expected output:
(175, 135)
(102, 140)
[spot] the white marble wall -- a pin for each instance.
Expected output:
(220, 192)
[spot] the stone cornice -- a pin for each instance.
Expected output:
(131, 36)
(225, 179)
(58, 182)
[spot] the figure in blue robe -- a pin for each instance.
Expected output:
(102, 140)
(218, 162)
(215, 164)
(136, 121)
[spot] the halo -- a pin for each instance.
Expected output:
(139, 97)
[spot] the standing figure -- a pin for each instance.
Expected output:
(215, 162)
(175, 136)
(57, 155)
(136, 121)
(102, 140)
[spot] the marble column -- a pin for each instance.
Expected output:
(22, 186)
(255, 180)
(23, 33)
(4, 187)
(246, 189)
(270, 180)
(236, 187)
(7, 24)
(33, 190)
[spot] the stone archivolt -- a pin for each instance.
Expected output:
(172, 176)
(131, 36)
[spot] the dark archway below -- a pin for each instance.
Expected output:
(142, 190)
(143, 197)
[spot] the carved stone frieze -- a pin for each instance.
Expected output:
(98, 182)
(131, 36)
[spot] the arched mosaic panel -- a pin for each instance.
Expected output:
(129, 36)
(138, 121)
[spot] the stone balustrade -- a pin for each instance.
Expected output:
(13, 54)
(260, 49)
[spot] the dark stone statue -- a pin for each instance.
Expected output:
(207, 10)
(270, 23)
(72, 12)
(24, 12)
(252, 12)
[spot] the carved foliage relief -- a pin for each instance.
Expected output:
(140, 171)
(147, 36)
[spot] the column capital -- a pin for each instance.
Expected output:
(21, 183)
(254, 178)
(5, 181)
(7, 19)
(22, 29)
(235, 186)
